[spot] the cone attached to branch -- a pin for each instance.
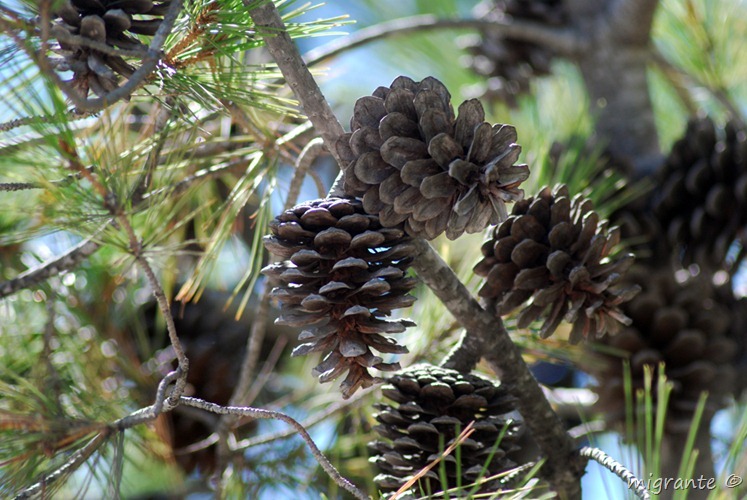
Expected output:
(555, 254)
(110, 22)
(680, 320)
(342, 275)
(702, 199)
(433, 405)
(508, 63)
(414, 162)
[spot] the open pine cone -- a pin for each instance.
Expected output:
(511, 64)
(433, 406)
(415, 163)
(555, 251)
(112, 22)
(702, 201)
(685, 325)
(344, 273)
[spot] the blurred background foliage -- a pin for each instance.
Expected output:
(201, 163)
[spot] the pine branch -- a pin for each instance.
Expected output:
(70, 260)
(243, 411)
(296, 73)
(487, 337)
(562, 40)
(71, 464)
(630, 20)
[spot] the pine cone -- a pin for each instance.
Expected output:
(344, 274)
(686, 326)
(107, 21)
(433, 406)
(511, 64)
(414, 162)
(702, 202)
(556, 252)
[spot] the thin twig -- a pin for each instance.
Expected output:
(51, 268)
(291, 64)
(312, 421)
(259, 325)
(561, 40)
(243, 411)
(71, 464)
(21, 186)
(160, 404)
(618, 469)
(32, 120)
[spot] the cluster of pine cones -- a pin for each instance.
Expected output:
(413, 168)
(114, 23)
(690, 235)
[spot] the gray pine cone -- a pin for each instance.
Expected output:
(433, 405)
(554, 252)
(112, 22)
(344, 273)
(413, 162)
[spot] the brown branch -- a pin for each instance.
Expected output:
(488, 338)
(297, 75)
(562, 40)
(243, 411)
(630, 20)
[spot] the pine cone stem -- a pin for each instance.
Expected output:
(564, 466)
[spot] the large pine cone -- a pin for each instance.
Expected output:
(414, 162)
(433, 406)
(511, 64)
(344, 273)
(555, 251)
(107, 21)
(684, 325)
(702, 202)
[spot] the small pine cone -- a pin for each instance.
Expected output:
(684, 325)
(112, 22)
(556, 252)
(511, 64)
(433, 406)
(343, 274)
(413, 162)
(702, 199)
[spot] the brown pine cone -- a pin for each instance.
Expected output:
(508, 63)
(112, 22)
(344, 274)
(555, 253)
(433, 406)
(415, 163)
(682, 324)
(702, 199)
